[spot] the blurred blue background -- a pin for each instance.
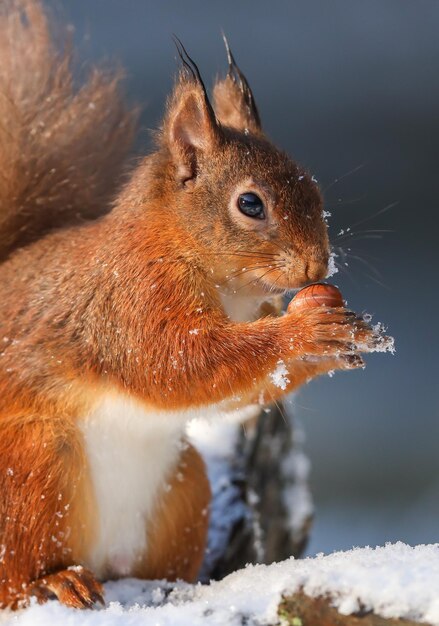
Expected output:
(351, 90)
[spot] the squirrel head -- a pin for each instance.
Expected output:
(255, 215)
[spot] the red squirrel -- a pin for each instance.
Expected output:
(129, 308)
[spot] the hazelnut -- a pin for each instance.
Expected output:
(319, 294)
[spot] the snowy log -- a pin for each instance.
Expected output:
(302, 610)
(395, 585)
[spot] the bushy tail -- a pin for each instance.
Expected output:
(62, 143)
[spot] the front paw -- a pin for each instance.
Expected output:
(75, 587)
(334, 332)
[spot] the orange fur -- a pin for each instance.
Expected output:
(131, 300)
(178, 533)
(62, 146)
(40, 476)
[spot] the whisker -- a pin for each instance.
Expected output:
(348, 235)
(258, 278)
(273, 286)
(281, 248)
(345, 271)
(341, 202)
(255, 266)
(380, 212)
(249, 255)
(366, 263)
(361, 237)
(268, 254)
(376, 280)
(369, 256)
(337, 180)
(376, 275)
(245, 270)
(258, 266)
(278, 406)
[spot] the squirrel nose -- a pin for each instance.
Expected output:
(316, 270)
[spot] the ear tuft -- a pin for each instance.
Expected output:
(233, 99)
(190, 127)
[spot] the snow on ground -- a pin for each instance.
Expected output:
(394, 581)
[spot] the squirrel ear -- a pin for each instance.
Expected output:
(233, 99)
(191, 126)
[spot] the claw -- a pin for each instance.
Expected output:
(97, 598)
(76, 587)
(354, 361)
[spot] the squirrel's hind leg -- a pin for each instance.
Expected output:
(42, 487)
(177, 532)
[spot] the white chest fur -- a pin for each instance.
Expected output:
(131, 453)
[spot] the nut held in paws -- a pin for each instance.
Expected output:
(316, 295)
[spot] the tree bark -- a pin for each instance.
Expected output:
(302, 610)
(263, 482)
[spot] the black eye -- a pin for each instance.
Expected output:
(251, 205)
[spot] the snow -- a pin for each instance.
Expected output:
(394, 581)
(332, 266)
(385, 344)
(279, 376)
